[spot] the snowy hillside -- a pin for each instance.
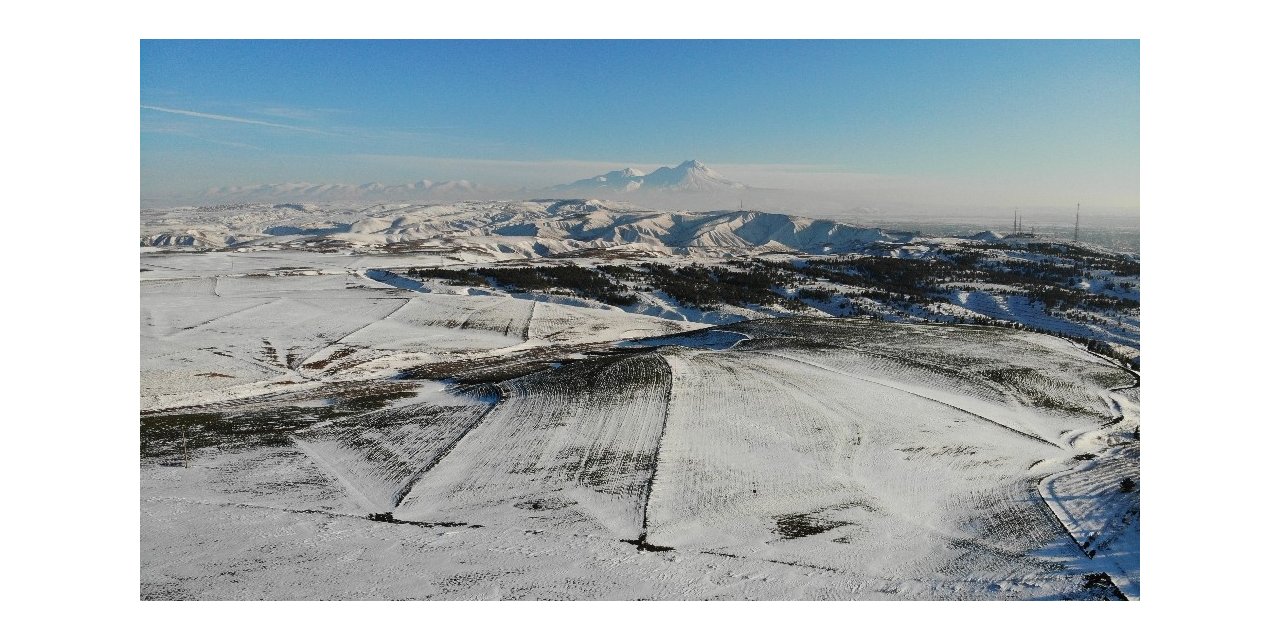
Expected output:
(527, 228)
(312, 431)
(1076, 290)
(578, 399)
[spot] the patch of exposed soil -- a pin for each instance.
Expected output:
(800, 525)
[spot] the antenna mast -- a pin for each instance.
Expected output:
(1077, 238)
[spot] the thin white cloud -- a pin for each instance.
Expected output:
(306, 114)
(222, 118)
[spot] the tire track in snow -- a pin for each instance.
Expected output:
(296, 368)
(1056, 505)
(319, 512)
(502, 398)
(641, 541)
(416, 478)
(533, 305)
(412, 479)
(935, 364)
(466, 320)
(223, 316)
(286, 258)
(158, 266)
(590, 427)
(918, 395)
(324, 463)
(391, 278)
(742, 445)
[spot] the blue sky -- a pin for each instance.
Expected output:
(975, 123)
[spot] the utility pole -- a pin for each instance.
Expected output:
(1077, 237)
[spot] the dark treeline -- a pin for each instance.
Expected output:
(1046, 274)
(567, 278)
(705, 287)
(918, 280)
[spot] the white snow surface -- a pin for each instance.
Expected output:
(496, 229)
(591, 231)
(554, 451)
(317, 425)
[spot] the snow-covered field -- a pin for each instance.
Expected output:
(317, 425)
(1060, 288)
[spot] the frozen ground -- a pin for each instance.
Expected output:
(314, 427)
(820, 267)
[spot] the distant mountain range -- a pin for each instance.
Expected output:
(690, 177)
(288, 191)
(690, 183)
(507, 229)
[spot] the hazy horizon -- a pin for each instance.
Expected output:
(931, 127)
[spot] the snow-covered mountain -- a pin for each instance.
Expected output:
(308, 191)
(690, 176)
(622, 180)
(499, 231)
(511, 229)
(539, 385)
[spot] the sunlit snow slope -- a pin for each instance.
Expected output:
(310, 431)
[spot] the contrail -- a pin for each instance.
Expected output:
(214, 116)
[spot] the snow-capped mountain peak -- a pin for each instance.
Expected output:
(690, 175)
